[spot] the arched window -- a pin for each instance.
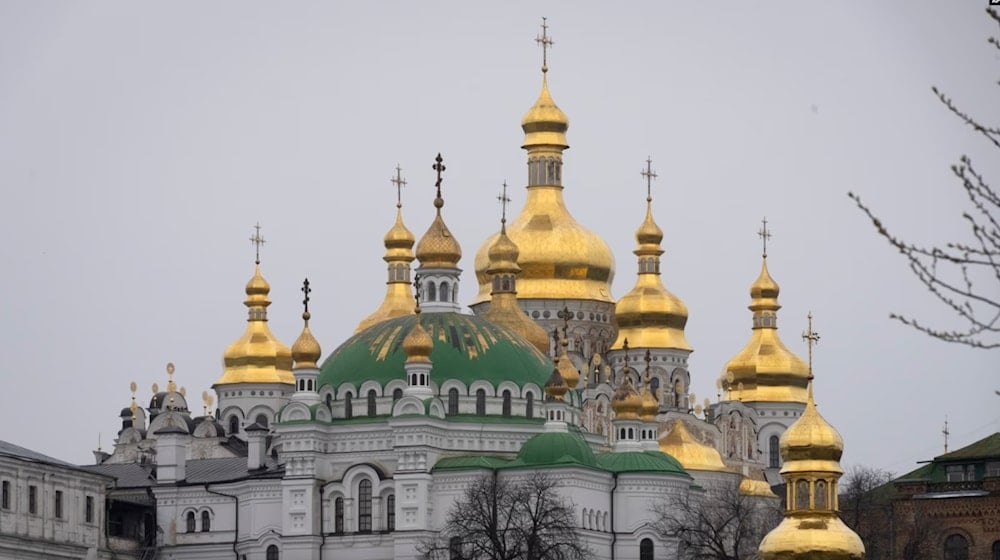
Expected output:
(444, 292)
(190, 522)
(338, 515)
(431, 291)
(206, 522)
(773, 455)
(262, 420)
(348, 408)
(820, 499)
(646, 549)
(234, 425)
(506, 403)
(371, 403)
(529, 406)
(996, 550)
(481, 402)
(455, 548)
(956, 547)
(272, 552)
(452, 401)
(390, 513)
(329, 400)
(397, 394)
(802, 495)
(365, 506)
(654, 387)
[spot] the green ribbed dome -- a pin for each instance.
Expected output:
(640, 461)
(556, 448)
(466, 347)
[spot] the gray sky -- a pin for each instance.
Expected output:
(140, 142)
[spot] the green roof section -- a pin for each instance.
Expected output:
(640, 461)
(556, 448)
(470, 462)
(977, 453)
(986, 448)
(466, 347)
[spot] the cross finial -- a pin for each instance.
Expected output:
(565, 315)
(400, 182)
(811, 337)
(306, 290)
(946, 433)
(649, 358)
(649, 174)
(439, 167)
(764, 234)
(416, 291)
(545, 41)
(257, 241)
(504, 199)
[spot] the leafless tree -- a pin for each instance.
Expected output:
(501, 518)
(866, 507)
(720, 524)
(957, 272)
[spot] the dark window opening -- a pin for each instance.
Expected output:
(338, 515)
(506, 403)
(272, 552)
(32, 499)
(234, 425)
(348, 407)
(372, 408)
(59, 504)
(262, 420)
(452, 401)
(646, 549)
(88, 512)
(397, 394)
(481, 402)
(956, 547)
(773, 455)
(529, 407)
(390, 513)
(6, 495)
(190, 522)
(365, 506)
(206, 522)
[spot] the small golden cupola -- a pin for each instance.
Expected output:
(418, 344)
(439, 252)
(399, 242)
(766, 370)
(560, 259)
(306, 350)
(649, 315)
(650, 406)
(811, 449)
(503, 270)
(257, 356)
(691, 453)
(626, 401)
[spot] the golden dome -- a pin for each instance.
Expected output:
(504, 309)
(418, 344)
(626, 402)
(649, 315)
(691, 453)
(765, 368)
(756, 488)
(811, 443)
(306, 349)
(809, 537)
(258, 356)
(398, 300)
(556, 386)
(650, 407)
(438, 247)
(545, 124)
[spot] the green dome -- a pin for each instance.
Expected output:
(466, 347)
(640, 461)
(556, 448)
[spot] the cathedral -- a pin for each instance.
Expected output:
(360, 453)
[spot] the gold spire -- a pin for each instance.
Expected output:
(766, 370)
(306, 349)
(438, 247)
(649, 315)
(503, 270)
(650, 406)
(257, 356)
(417, 344)
(811, 449)
(689, 451)
(399, 240)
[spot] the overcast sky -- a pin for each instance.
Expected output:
(140, 142)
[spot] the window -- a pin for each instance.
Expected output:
(506, 403)
(6, 494)
(481, 402)
(452, 401)
(773, 455)
(431, 291)
(329, 400)
(390, 513)
(59, 504)
(372, 409)
(455, 548)
(32, 499)
(956, 547)
(955, 473)
(262, 420)
(646, 549)
(348, 408)
(397, 394)
(272, 552)
(529, 407)
(190, 522)
(88, 510)
(820, 499)
(234, 425)
(365, 506)
(338, 515)
(444, 291)
(206, 522)
(654, 387)
(802, 495)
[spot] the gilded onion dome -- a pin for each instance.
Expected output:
(691, 453)
(504, 310)
(306, 349)
(257, 356)
(766, 370)
(556, 386)
(560, 259)
(649, 315)
(626, 402)
(418, 345)
(398, 299)
(811, 450)
(756, 488)
(438, 248)
(566, 368)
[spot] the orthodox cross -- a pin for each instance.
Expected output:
(811, 337)
(504, 199)
(257, 240)
(439, 167)
(306, 290)
(649, 174)
(649, 358)
(400, 182)
(545, 41)
(565, 315)
(764, 234)
(555, 342)
(416, 289)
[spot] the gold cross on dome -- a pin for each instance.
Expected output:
(649, 174)
(257, 241)
(504, 199)
(764, 234)
(400, 182)
(811, 337)
(545, 41)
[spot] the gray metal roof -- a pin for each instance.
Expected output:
(7, 448)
